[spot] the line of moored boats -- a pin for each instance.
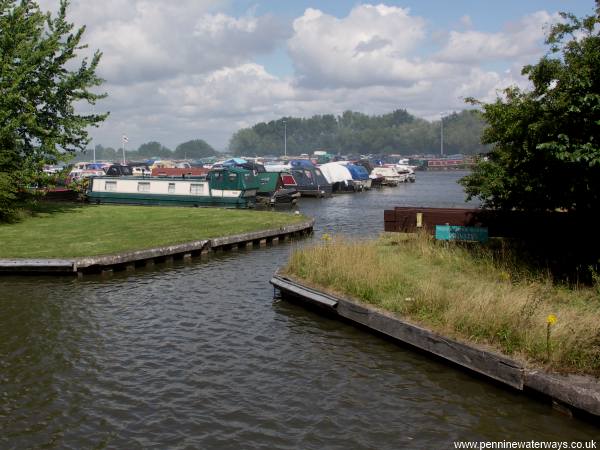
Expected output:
(235, 182)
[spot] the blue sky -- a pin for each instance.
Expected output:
(187, 69)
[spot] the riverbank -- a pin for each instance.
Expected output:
(463, 293)
(72, 230)
(123, 237)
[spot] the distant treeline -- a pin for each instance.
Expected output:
(195, 149)
(357, 133)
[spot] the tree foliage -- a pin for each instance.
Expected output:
(358, 133)
(546, 149)
(153, 149)
(39, 85)
(194, 149)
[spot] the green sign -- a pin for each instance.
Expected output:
(460, 233)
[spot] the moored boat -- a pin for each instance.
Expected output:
(228, 187)
(271, 189)
(360, 177)
(307, 179)
(390, 176)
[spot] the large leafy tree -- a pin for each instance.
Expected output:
(42, 78)
(194, 149)
(154, 149)
(546, 140)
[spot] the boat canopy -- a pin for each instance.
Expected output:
(336, 173)
(232, 178)
(269, 181)
(301, 163)
(234, 162)
(385, 171)
(244, 164)
(358, 172)
(277, 167)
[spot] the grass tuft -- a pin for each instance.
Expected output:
(475, 293)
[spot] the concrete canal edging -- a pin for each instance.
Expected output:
(129, 260)
(570, 392)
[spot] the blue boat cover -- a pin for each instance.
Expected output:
(302, 163)
(358, 172)
(234, 162)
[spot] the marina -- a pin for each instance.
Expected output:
(196, 353)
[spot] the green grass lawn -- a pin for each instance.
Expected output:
(478, 294)
(68, 230)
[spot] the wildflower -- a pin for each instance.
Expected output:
(326, 237)
(551, 319)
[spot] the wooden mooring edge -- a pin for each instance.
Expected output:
(580, 393)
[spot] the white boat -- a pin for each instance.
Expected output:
(408, 171)
(390, 175)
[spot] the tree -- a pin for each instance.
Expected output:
(546, 149)
(195, 149)
(357, 133)
(39, 85)
(154, 149)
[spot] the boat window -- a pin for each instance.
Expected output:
(110, 186)
(264, 181)
(232, 176)
(308, 174)
(143, 187)
(196, 188)
(318, 172)
(171, 188)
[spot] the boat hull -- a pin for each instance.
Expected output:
(170, 200)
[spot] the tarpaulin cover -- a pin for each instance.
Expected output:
(277, 167)
(234, 162)
(336, 173)
(358, 172)
(297, 163)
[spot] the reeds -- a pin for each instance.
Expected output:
(475, 293)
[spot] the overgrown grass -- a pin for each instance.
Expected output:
(68, 230)
(477, 294)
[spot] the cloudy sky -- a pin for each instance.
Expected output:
(184, 69)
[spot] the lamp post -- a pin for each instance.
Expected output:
(124, 139)
(285, 138)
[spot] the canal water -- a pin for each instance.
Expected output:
(200, 355)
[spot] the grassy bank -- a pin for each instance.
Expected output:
(65, 230)
(474, 294)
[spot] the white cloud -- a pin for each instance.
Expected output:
(374, 45)
(519, 41)
(157, 39)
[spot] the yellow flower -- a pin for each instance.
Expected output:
(551, 319)
(326, 237)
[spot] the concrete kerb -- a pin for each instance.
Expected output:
(128, 259)
(581, 393)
